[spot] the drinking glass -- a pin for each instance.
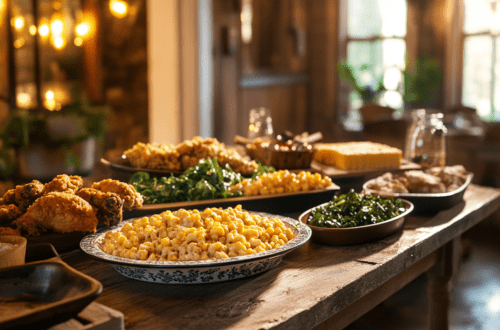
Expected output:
(260, 124)
(427, 144)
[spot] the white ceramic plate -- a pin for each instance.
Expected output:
(195, 272)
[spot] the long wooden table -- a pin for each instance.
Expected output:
(315, 286)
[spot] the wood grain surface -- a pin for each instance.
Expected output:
(311, 284)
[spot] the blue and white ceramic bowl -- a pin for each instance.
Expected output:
(195, 272)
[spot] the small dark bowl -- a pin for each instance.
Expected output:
(41, 294)
(357, 235)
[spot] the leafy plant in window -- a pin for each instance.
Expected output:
(367, 89)
(421, 80)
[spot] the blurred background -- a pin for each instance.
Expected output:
(95, 77)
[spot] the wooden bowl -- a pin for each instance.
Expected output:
(12, 256)
(357, 235)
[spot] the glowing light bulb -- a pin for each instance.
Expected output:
(59, 42)
(32, 30)
(49, 95)
(18, 23)
(78, 41)
(82, 29)
(118, 8)
(57, 27)
(44, 30)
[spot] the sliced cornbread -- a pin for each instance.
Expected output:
(357, 155)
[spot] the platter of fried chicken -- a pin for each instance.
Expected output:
(62, 211)
(430, 190)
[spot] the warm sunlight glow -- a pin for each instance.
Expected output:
(494, 304)
(82, 29)
(44, 30)
(118, 8)
(18, 23)
(246, 21)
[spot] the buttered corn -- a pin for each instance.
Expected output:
(282, 182)
(183, 235)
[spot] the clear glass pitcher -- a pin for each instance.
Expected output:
(427, 140)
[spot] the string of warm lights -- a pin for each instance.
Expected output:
(56, 28)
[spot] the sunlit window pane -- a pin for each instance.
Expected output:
(477, 74)
(370, 18)
(365, 53)
(477, 16)
(394, 53)
(497, 77)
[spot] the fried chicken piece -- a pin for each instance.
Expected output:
(9, 197)
(23, 195)
(60, 212)
(8, 213)
(109, 205)
(131, 198)
(7, 231)
(27, 194)
(64, 183)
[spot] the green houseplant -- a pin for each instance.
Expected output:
(367, 91)
(48, 142)
(421, 81)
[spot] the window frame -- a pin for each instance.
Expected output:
(343, 41)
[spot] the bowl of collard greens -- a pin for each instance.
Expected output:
(354, 218)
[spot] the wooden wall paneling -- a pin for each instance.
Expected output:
(322, 58)
(226, 38)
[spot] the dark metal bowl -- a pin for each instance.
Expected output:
(426, 203)
(357, 235)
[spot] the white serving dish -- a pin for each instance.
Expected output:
(195, 272)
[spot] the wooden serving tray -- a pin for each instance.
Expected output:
(279, 203)
(337, 173)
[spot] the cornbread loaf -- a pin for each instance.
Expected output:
(357, 155)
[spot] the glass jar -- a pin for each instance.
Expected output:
(260, 124)
(417, 116)
(427, 145)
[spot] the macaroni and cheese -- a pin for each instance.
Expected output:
(187, 235)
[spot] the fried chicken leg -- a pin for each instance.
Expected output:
(109, 205)
(131, 198)
(64, 183)
(60, 212)
(23, 195)
(9, 213)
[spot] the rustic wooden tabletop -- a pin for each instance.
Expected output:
(309, 288)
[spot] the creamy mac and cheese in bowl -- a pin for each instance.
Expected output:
(192, 246)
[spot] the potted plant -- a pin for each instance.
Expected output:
(367, 89)
(47, 143)
(421, 81)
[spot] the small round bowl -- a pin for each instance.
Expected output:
(357, 235)
(13, 256)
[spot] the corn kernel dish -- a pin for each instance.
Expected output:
(191, 246)
(193, 235)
